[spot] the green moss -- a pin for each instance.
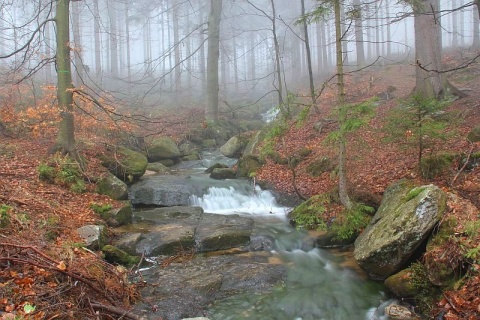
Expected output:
(426, 292)
(5, 212)
(115, 255)
(308, 215)
(413, 193)
(101, 209)
(62, 171)
(444, 231)
(352, 221)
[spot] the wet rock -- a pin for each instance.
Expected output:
(167, 191)
(128, 242)
(118, 256)
(184, 290)
(217, 232)
(185, 214)
(404, 220)
(262, 243)
(216, 166)
(222, 174)
(331, 239)
(398, 312)
(166, 239)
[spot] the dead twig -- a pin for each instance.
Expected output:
(464, 165)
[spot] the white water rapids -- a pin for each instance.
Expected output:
(230, 201)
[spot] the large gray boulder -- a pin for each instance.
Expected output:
(234, 146)
(403, 221)
(162, 148)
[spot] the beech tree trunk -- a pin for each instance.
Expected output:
(475, 26)
(213, 55)
(66, 137)
(359, 34)
(309, 58)
(342, 174)
(96, 30)
(79, 69)
(430, 83)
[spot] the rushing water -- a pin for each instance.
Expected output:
(318, 286)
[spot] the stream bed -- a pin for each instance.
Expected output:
(284, 277)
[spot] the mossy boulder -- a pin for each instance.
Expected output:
(113, 187)
(209, 143)
(117, 256)
(167, 162)
(119, 216)
(248, 165)
(191, 157)
(162, 148)
(405, 218)
(234, 146)
(157, 167)
(222, 174)
(216, 166)
(401, 284)
(474, 134)
(125, 164)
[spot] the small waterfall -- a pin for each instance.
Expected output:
(270, 114)
(230, 200)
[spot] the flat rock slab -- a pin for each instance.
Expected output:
(182, 290)
(165, 231)
(218, 232)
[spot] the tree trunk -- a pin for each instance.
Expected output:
(454, 25)
(277, 58)
(96, 30)
(476, 27)
(127, 35)
(113, 39)
(430, 83)
(176, 41)
(342, 174)
(389, 35)
(211, 114)
(359, 34)
(309, 58)
(66, 137)
(77, 40)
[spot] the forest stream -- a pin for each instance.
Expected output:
(287, 279)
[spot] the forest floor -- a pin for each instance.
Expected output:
(45, 274)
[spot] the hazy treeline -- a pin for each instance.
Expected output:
(153, 52)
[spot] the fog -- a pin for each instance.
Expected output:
(151, 54)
